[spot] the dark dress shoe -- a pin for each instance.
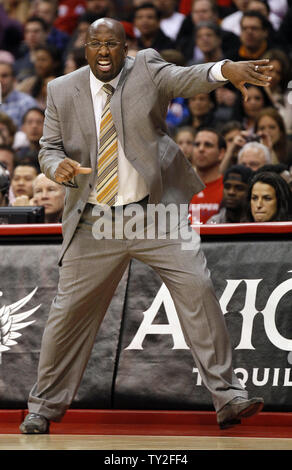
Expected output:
(35, 424)
(238, 408)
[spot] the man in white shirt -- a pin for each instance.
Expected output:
(132, 126)
(170, 20)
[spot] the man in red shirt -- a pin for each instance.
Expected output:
(209, 150)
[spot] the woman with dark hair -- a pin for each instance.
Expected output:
(269, 198)
(270, 126)
(47, 65)
(246, 112)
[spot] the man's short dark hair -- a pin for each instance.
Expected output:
(37, 19)
(148, 5)
(231, 126)
(221, 140)
(256, 14)
(245, 172)
(7, 148)
(210, 25)
(35, 108)
(29, 160)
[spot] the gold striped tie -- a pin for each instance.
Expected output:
(107, 165)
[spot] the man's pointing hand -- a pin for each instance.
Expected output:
(68, 168)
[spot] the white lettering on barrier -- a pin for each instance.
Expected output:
(248, 313)
(258, 377)
(148, 328)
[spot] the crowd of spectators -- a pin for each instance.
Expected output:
(242, 150)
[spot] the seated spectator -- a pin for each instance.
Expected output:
(232, 21)
(209, 150)
(170, 19)
(254, 37)
(278, 90)
(201, 109)
(246, 112)
(254, 155)
(48, 194)
(14, 103)
(271, 127)
(185, 139)
(32, 126)
(51, 195)
(203, 10)
(269, 199)
(208, 40)
(235, 187)
(47, 66)
(4, 186)
(35, 34)
(47, 10)
(263, 7)
(147, 20)
(22, 179)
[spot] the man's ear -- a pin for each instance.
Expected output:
(221, 154)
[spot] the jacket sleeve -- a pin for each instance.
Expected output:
(52, 150)
(176, 81)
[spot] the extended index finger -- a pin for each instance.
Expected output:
(82, 170)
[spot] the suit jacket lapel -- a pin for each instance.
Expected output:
(85, 113)
(116, 103)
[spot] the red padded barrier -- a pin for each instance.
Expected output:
(220, 229)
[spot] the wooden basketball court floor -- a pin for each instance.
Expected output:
(136, 430)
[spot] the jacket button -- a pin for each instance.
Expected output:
(79, 211)
(90, 185)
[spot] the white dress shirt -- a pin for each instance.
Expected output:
(131, 185)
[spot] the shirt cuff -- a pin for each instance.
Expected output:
(215, 74)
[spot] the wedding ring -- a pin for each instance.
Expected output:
(256, 68)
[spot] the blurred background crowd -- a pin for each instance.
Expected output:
(241, 150)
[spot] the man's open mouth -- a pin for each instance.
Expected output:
(104, 65)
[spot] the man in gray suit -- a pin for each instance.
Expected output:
(105, 138)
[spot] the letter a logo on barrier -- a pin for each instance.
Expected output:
(148, 328)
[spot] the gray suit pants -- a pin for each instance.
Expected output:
(90, 272)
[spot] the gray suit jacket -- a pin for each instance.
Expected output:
(139, 106)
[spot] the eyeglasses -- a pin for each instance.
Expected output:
(98, 44)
